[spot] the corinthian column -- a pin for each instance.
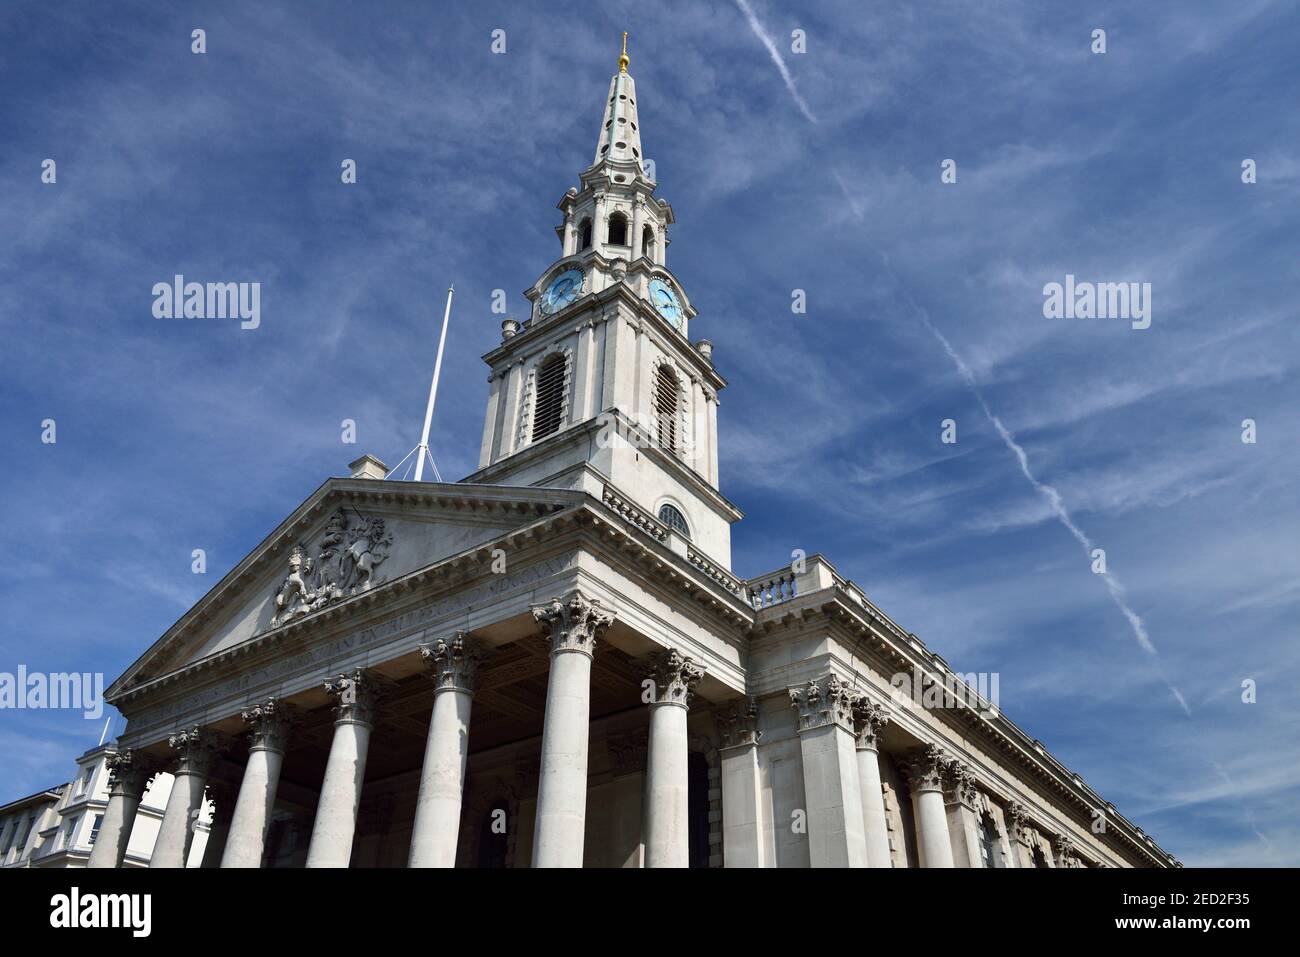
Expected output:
(961, 796)
(667, 817)
(925, 769)
(195, 752)
(572, 627)
(830, 776)
(128, 776)
(246, 841)
(454, 666)
(345, 771)
(1020, 834)
(742, 790)
(868, 719)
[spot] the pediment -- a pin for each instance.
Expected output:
(349, 538)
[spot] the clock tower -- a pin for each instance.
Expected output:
(600, 387)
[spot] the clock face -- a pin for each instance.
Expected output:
(665, 301)
(563, 289)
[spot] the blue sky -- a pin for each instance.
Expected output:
(1124, 166)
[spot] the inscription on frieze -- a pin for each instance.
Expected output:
(237, 687)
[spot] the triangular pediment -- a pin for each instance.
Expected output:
(349, 537)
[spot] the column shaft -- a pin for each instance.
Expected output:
(128, 777)
(830, 776)
(874, 825)
(562, 778)
(172, 847)
(442, 782)
(742, 791)
(246, 841)
(932, 841)
(345, 772)
(667, 831)
(572, 628)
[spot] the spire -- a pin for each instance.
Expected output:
(620, 134)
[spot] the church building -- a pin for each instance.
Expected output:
(552, 663)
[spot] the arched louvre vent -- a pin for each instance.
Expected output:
(549, 391)
(670, 516)
(666, 408)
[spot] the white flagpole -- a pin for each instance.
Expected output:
(423, 449)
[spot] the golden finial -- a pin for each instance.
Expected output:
(623, 61)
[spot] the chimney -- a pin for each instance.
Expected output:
(369, 467)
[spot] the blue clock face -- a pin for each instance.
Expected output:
(563, 289)
(665, 301)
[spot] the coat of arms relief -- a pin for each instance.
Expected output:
(343, 566)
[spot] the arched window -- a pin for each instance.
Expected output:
(665, 398)
(670, 516)
(584, 233)
(988, 836)
(618, 230)
(648, 242)
(548, 396)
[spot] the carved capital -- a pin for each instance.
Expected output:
(1018, 826)
(824, 702)
(358, 695)
(675, 676)
(959, 784)
(574, 623)
(195, 751)
(268, 723)
(925, 768)
(868, 720)
(738, 725)
(453, 664)
(128, 773)
(1064, 848)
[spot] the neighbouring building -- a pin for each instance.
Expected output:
(553, 663)
(58, 827)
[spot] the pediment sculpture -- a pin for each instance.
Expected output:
(343, 565)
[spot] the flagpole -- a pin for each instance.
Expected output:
(423, 449)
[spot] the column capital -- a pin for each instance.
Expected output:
(959, 784)
(738, 724)
(925, 768)
(129, 773)
(453, 663)
(358, 693)
(675, 676)
(1063, 845)
(269, 723)
(1018, 827)
(869, 717)
(574, 623)
(824, 702)
(195, 750)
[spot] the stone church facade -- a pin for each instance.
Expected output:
(550, 663)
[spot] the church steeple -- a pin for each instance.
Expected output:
(619, 144)
(600, 386)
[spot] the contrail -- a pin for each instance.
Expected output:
(776, 58)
